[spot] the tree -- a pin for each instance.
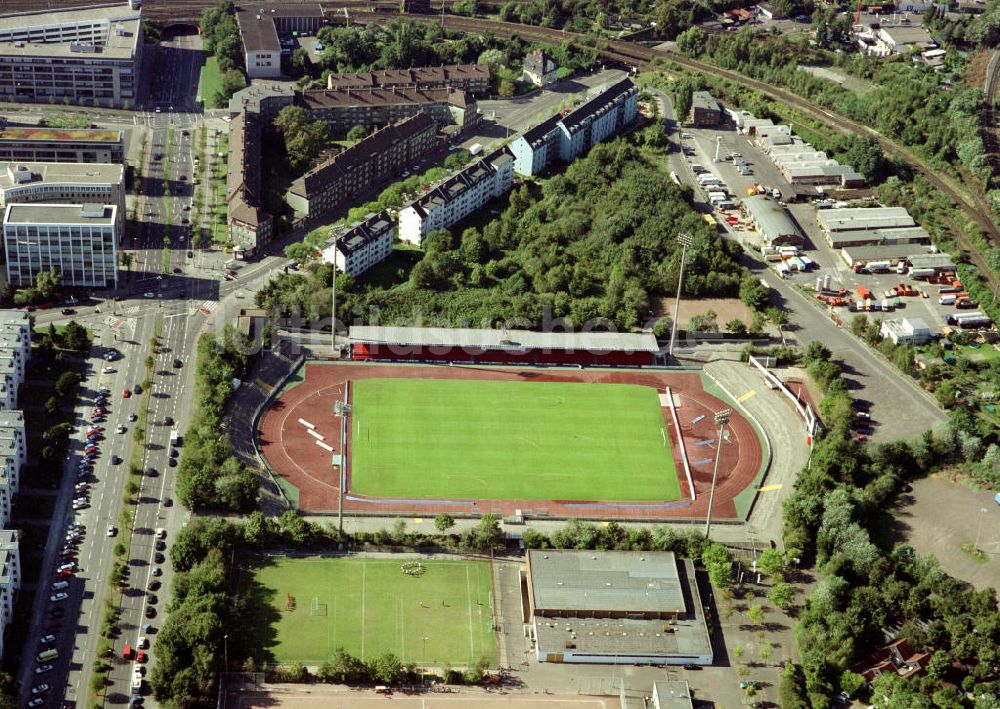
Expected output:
(865, 154)
(444, 522)
(704, 322)
(736, 327)
(301, 63)
(781, 594)
(851, 682)
(300, 252)
(755, 613)
(494, 57)
(488, 534)
(385, 668)
(256, 529)
(232, 81)
(507, 88)
(357, 132)
(692, 41)
(47, 283)
(66, 384)
(303, 138)
(75, 337)
(771, 562)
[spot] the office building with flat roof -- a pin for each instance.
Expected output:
(387, 151)
(705, 109)
(363, 246)
(80, 240)
(263, 28)
(84, 145)
(63, 183)
(90, 55)
(457, 197)
(615, 607)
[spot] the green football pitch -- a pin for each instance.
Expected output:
(370, 606)
(421, 438)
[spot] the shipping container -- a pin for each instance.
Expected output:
(864, 293)
(807, 261)
(946, 300)
(921, 272)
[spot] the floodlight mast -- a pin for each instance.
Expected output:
(685, 240)
(721, 419)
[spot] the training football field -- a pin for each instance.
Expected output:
(427, 438)
(440, 614)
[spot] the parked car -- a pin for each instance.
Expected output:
(137, 389)
(126, 394)
(42, 669)
(112, 530)
(150, 612)
(108, 370)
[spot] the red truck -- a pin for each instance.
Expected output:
(864, 293)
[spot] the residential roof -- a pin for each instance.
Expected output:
(374, 226)
(58, 214)
(582, 580)
(451, 188)
(82, 135)
(361, 152)
(598, 104)
(13, 174)
(771, 218)
(327, 98)
(243, 182)
(858, 218)
(409, 77)
(111, 44)
(540, 62)
(257, 28)
(537, 135)
(517, 340)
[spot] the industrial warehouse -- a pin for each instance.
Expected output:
(615, 607)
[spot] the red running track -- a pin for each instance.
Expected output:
(293, 452)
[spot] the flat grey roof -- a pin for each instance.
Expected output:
(55, 214)
(845, 238)
(877, 253)
(773, 219)
(704, 100)
(685, 639)
(854, 218)
(113, 46)
(61, 172)
(672, 694)
(505, 339)
(637, 582)
(932, 261)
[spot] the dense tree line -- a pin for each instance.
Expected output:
(401, 44)
(303, 138)
(865, 583)
(594, 242)
(210, 476)
(221, 38)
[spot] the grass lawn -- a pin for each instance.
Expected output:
(509, 440)
(372, 607)
(211, 81)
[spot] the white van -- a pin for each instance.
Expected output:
(161, 533)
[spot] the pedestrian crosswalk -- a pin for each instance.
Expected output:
(208, 306)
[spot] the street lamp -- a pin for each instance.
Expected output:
(721, 419)
(225, 652)
(685, 241)
(423, 653)
(982, 513)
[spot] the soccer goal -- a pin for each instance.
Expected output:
(316, 608)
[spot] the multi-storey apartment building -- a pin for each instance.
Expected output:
(346, 108)
(83, 54)
(85, 145)
(80, 240)
(457, 197)
(474, 78)
(262, 28)
(10, 579)
(363, 246)
(249, 225)
(385, 152)
(10, 483)
(601, 117)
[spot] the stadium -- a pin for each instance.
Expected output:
(471, 422)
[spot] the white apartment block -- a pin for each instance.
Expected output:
(10, 579)
(457, 197)
(80, 240)
(10, 485)
(363, 246)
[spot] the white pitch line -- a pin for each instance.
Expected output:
(324, 446)
(468, 602)
(306, 423)
(363, 567)
(314, 434)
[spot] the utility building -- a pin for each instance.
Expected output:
(775, 224)
(615, 607)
